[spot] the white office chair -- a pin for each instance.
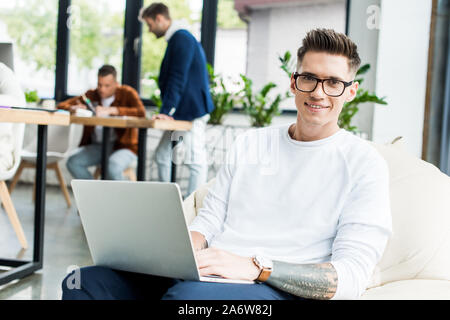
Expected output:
(61, 141)
(18, 134)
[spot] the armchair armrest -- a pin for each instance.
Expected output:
(195, 201)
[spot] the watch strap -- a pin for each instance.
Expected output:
(264, 273)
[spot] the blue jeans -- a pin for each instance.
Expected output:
(191, 152)
(91, 155)
(100, 283)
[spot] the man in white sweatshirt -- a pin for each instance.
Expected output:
(303, 209)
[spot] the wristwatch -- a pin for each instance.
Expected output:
(265, 266)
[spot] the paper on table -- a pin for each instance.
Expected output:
(83, 113)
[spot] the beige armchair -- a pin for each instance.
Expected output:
(416, 261)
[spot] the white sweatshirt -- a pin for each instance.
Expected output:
(97, 135)
(302, 202)
(10, 95)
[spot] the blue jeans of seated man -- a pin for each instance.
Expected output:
(100, 283)
(191, 151)
(91, 155)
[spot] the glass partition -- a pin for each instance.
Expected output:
(96, 38)
(31, 27)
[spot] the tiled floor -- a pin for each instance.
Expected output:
(64, 244)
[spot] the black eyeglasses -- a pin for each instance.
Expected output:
(331, 87)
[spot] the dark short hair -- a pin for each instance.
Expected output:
(332, 42)
(106, 70)
(153, 10)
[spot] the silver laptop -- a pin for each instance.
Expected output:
(138, 227)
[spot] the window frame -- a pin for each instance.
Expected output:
(131, 63)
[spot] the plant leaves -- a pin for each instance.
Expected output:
(363, 69)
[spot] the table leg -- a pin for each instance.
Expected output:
(39, 206)
(142, 154)
(173, 172)
(19, 268)
(106, 150)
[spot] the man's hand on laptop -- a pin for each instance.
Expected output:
(218, 262)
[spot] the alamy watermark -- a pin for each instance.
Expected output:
(373, 20)
(260, 148)
(74, 19)
(73, 280)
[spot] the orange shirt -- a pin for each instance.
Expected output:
(128, 103)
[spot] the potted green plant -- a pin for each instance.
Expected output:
(287, 63)
(223, 100)
(155, 93)
(31, 97)
(260, 106)
(351, 108)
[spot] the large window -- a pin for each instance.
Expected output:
(188, 13)
(31, 26)
(96, 38)
(231, 45)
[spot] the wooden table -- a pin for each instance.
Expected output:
(20, 268)
(131, 122)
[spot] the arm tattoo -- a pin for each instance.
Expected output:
(311, 281)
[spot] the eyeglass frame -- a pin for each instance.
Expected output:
(346, 84)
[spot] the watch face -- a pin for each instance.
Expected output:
(264, 262)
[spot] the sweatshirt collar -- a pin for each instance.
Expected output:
(313, 143)
(174, 27)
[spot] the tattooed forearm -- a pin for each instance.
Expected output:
(311, 281)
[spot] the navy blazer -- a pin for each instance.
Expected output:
(183, 78)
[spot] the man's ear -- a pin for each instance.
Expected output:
(292, 86)
(353, 89)
(158, 18)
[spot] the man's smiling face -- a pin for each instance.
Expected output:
(316, 109)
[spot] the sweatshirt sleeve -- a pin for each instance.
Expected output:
(66, 104)
(363, 230)
(134, 106)
(211, 216)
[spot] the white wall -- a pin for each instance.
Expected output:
(273, 30)
(231, 55)
(402, 71)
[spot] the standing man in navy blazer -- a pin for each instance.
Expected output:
(184, 85)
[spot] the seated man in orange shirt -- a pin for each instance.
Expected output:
(112, 99)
